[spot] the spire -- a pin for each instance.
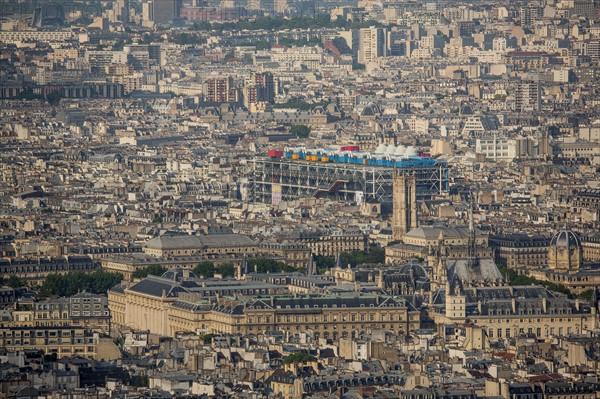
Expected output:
(338, 261)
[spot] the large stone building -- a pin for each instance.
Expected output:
(62, 341)
(36, 270)
(80, 310)
(166, 306)
(508, 312)
(186, 245)
(520, 251)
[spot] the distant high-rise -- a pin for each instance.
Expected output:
(371, 44)
(528, 96)
(164, 11)
(266, 86)
(221, 90)
(50, 15)
(404, 217)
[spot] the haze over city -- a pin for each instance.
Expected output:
(299, 199)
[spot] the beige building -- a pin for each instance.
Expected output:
(62, 341)
(508, 312)
(164, 307)
(211, 244)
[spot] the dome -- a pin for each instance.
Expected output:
(565, 239)
(400, 150)
(411, 151)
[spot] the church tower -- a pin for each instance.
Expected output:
(404, 217)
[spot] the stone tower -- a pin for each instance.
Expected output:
(404, 217)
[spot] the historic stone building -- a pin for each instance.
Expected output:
(62, 341)
(404, 198)
(80, 310)
(186, 245)
(520, 251)
(166, 306)
(565, 252)
(508, 312)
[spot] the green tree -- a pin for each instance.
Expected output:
(300, 131)
(298, 358)
(154, 270)
(205, 269)
(98, 282)
(266, 265)
(206, 338)
(341, 44)
(226, 269)
(140, 380)
(520, 279)
(324, 263)
(15, 282)
(29, 95)
(357, 66)
(587, 294)
(54, 97)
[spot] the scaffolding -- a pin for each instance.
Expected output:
(279, 179)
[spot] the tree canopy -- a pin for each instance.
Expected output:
(266, 265)
(281, 23)
(98, 282)
(208, 269)
(298, 358)
(301, 131)
(154, 270)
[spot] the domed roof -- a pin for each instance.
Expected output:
(565, 239)
(417, 270)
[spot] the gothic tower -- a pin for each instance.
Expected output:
(404, 217)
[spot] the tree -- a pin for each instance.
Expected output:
(300, 131)
(266, 265)
(54, 97)
(98, 282)
(298, 358)
(205, 269)
(341, 44)
(324, 263)
(154, 270)
(226, 269)
(357, 66)
(141, 380)
(207, 338)
(15, 282)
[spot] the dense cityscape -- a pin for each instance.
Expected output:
(273, 199)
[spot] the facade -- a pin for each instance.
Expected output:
(62, 341)
(297, 179)
(165, 307)
(221, 90)
(520, 251)
(509, 312)
(497, 149)
(212, 244)
(81, 310)
(35, 271)
(332, 243)
(371, 44)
